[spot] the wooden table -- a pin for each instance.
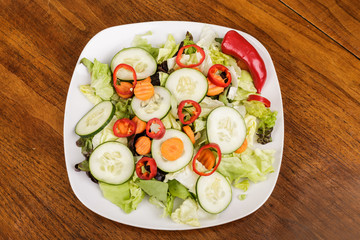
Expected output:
(315, 46)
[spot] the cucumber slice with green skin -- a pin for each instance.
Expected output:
(142, 61)
(158, 106)
(226, 127)
(182, 161)
(187, 84)
(95, 120)
(213, 192)
(112, 162)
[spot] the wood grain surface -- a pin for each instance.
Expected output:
(315, 49)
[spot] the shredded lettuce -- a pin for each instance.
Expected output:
(127, 196)
(187, 213)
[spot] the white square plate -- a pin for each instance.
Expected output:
(103, 46)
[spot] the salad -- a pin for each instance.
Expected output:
(176, 124)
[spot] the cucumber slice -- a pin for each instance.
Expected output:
(142, 61)
(187, 84)
(172, 166)
(112, 162)
(226, 127)
(213, 192)
(95, 120)
(157, 106)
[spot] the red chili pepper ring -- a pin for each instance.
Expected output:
(207, 146)
(219, 75)
(194, 115)
(181, 50)
(124, 127)
(146, 168)
(152, 132)
(118, 89)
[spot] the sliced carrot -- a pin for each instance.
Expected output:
(144, 90)
(172, 149)
(140, 125)
(207, 158)
(143, 145)
(214, 90)
(187, 129)
(243, 147)
(124, 87)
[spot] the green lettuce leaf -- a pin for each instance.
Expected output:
(187, 213)
(208, 104)
(170, 122)
(154, 188)
(167, 207)
(123, 108)
(251, 164)
(141, 42)
(89, 93)
(178, 190)
(100, 87)
(168, 50)
(127, 196)
(267, 119)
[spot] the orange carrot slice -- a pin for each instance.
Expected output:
(243, 147)
(140, 125)
(207, 158)
(214, 90)
(124, 87)
(143, 145)
(187, 129)
(144, 90)
(172, 149)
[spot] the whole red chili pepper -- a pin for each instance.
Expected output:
(146, 168)
(178, 57)
(194, 115)
(155, 134)
(118, 89)
(237, 46)
(219, 80)
(210, 145)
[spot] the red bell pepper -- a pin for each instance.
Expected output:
(194, 115)
(160, 131)
(237, 46)
(146, 168)
(207, 146)
(254, 97)
(179, 55)
(124, 127)
(119, 89)
(215, 75)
